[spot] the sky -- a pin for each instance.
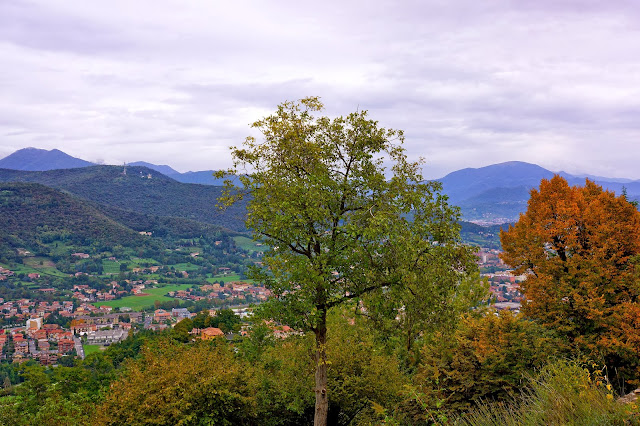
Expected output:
(471, 83)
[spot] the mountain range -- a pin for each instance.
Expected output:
(493, 194)
(499, 193)
(137, 189)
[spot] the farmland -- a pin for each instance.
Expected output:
(138, 303)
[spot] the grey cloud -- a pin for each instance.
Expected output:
(470, 82)
(41, 26)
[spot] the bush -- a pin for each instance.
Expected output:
(563, 393)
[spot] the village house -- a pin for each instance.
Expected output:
(211, 333)
(160, 315)
(106, 337)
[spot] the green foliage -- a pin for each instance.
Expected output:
(361, 372)
(342, 225)
(47, 398)
(224, 319)
(339, 218)
(486, 358)
(177, 384)
(160, 196)
(35, 215)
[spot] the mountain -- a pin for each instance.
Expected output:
(499, 193)
(41, 159)
(466, 183)
(32, 214)
(203, 177)
(138, 189)
(492, 194)
(164, 169)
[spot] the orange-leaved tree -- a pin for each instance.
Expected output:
(579, 248)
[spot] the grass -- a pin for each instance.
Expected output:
(90, 349)
(33, 264)
(137, 303)
(227, 278)
(563, 393)
(139, 261)
(185, 267)
(248, 244)
(110, 266)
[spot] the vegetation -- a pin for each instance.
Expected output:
(378, 315)
(562, 393)
(135, 191)
(146, 300)
(26, 210)
(579, 247)
(338, 221)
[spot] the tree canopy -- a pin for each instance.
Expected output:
(579, 248)
(347, 215)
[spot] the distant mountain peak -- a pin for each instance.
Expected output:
(164, 169)
(35, 159)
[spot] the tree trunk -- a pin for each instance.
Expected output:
(322, 400)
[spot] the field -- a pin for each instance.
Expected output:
(185, 267)
(248, 244)
(110, 266)
(138, 303)
(44, 266)
(32, 265)
(90, 349)
(139, 262)
(227, 278)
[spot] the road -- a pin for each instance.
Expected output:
(78, 346)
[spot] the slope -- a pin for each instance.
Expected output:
(139, 189)
(33, 214)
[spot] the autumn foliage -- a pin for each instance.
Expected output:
(579, 247)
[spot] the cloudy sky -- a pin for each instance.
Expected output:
(472, 83)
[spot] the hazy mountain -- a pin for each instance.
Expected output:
(41, 159)
(164, 169)
(492, 193)
(205, 177)
(499, 193)
(466, 183)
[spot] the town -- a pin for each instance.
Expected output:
(52, 331)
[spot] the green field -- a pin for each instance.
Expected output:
(90, 349)
(110, 266)
(138, 262)
(32, 265)
(46, 268)
(138, 303)
(227, 278)
(185, 267)
(248, 244)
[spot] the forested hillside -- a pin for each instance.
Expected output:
(33, 214)
(140, 189)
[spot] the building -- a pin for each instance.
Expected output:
(180, 313)
(106, 337)
(65, 345)
(211, 333)
(34, 324)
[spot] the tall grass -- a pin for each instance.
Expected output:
(563, 393)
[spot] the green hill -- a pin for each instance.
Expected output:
(33, 215)
(140, 190)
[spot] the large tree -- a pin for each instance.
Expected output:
(346, 215)
(579, 248)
